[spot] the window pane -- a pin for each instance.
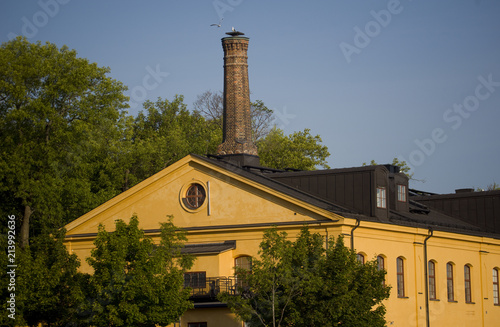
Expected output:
(380, 262)
(432, 280)
(381, 198)
(195, 196)
(402, 193)
(381, 265)
(468, 295)
(360, 257)
(244, 262)
(495, 287)
(449, 281)
(400, 275)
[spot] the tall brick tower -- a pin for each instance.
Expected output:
(237, 145)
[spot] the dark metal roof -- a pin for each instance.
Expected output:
(481, 209)
(209, 248)
(419, 214)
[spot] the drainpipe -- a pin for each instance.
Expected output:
(426, 268)
(352, 233)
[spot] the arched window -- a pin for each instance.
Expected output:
(400, 276)
(244, 262)
(431, 271)
(495, 287)
(360, 257)
(381, 265)
(380, 262)
(467, 284)
(450, 282)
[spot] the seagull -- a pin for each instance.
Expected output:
(218, 25)
(233, 29)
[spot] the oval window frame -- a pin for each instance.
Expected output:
(183, 196)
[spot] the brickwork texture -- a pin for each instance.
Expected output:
(237, 124)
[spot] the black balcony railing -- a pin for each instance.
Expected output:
(207, 288)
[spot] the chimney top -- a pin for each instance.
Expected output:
(235, 33)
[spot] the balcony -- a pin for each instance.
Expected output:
(206, 289)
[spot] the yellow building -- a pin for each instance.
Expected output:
(443, 268)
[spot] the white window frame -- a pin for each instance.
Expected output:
(381, 197)
(401, 193)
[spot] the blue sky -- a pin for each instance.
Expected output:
(378, 79)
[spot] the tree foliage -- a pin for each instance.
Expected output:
(164, 133)
(55, 110)
(302, 284)
(135, 281)
(47, 283)
(299, 150)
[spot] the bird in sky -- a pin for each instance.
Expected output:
(218, 25)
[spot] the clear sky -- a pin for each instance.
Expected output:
(378, 79)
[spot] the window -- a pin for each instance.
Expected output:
(244, 262)
(380, 262)
(431, 271)
(401, 277)
(195, 196)
(449, 282)
(360, 257)
(381, 198)
(197, 324)
(381, 265)
(195, 279)
(495, 287)
(468, 288)
(401, 193)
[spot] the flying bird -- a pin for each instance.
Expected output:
(218, 25)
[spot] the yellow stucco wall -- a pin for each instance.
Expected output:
(480, 253)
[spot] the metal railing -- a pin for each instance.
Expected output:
(208, 288)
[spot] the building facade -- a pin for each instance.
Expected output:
(442, 265)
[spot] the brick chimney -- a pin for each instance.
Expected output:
(237, 145)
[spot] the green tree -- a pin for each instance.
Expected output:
(47, 283)
(164, 133)
(137, 282)
(302, 284)
(352, 292)
(299, 150)
(59, 119)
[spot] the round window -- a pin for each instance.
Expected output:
(195, 196)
